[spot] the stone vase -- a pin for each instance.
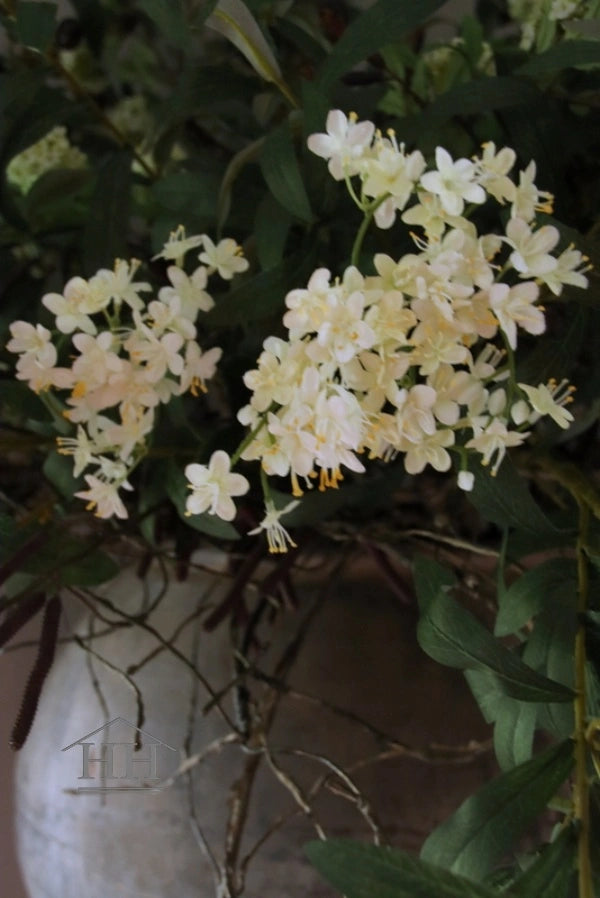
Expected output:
(235, 766)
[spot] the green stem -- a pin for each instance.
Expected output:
(581, 798)
(265, 485)
(247, 440)
(369, 213)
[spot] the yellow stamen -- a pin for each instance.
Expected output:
(296, 491)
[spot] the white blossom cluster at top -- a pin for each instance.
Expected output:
(404, 361)
(129, 367)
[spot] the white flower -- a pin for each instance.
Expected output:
(159, 355)
(97, 362)
(344, 144)
(71, 308)
(453, 182)
(165, 314)
(494, 168)
(277, 536)
(226, 257)
(104, 497)
(213, 486)
(177, 246)
(531, 257)
(81, 447)
(391, 171)
(190, 291)
(119, 285)
(515, 305)
(550, 400)
(430, 450)
(40, 372)
(494, 441)
(199, 367)
(528, 199)
(567, 271)
(32, 339)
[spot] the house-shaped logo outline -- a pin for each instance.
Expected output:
(109, 724)
(106, 726)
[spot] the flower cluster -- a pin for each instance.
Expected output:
(414, 358)
(132, 355)
(52, 151)
(404, 361)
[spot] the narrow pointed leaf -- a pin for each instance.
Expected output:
(513, 732)
(233, 20)
(374, 871)
(547, 582)
(105, 234)
(282, 173)
(486, 826)
(505, 500)
(383, 23)
(450, 634)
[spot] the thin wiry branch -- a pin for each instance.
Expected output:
(90, 666)
(144, 625)
(295, 791)
(140, 712)
(194, 615)
(354, 794)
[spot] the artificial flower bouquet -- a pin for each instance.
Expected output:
(408, 292)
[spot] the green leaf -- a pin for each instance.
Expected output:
(557, 358)
(271, 229)
(487, 824)
(549, 649)
(281, 172)
(205, 523)
(449, 634)
(36, 23)
(567, 54)
(513, 732)
(383, 23)
(374, 871)
(189, 192)
(65, 560)
(105, 232)
(515, 721)
(505, 500)
(59, 471)
(551, 581)
(169, 18)
(233, 20)
(470, 98)
(550, 874)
